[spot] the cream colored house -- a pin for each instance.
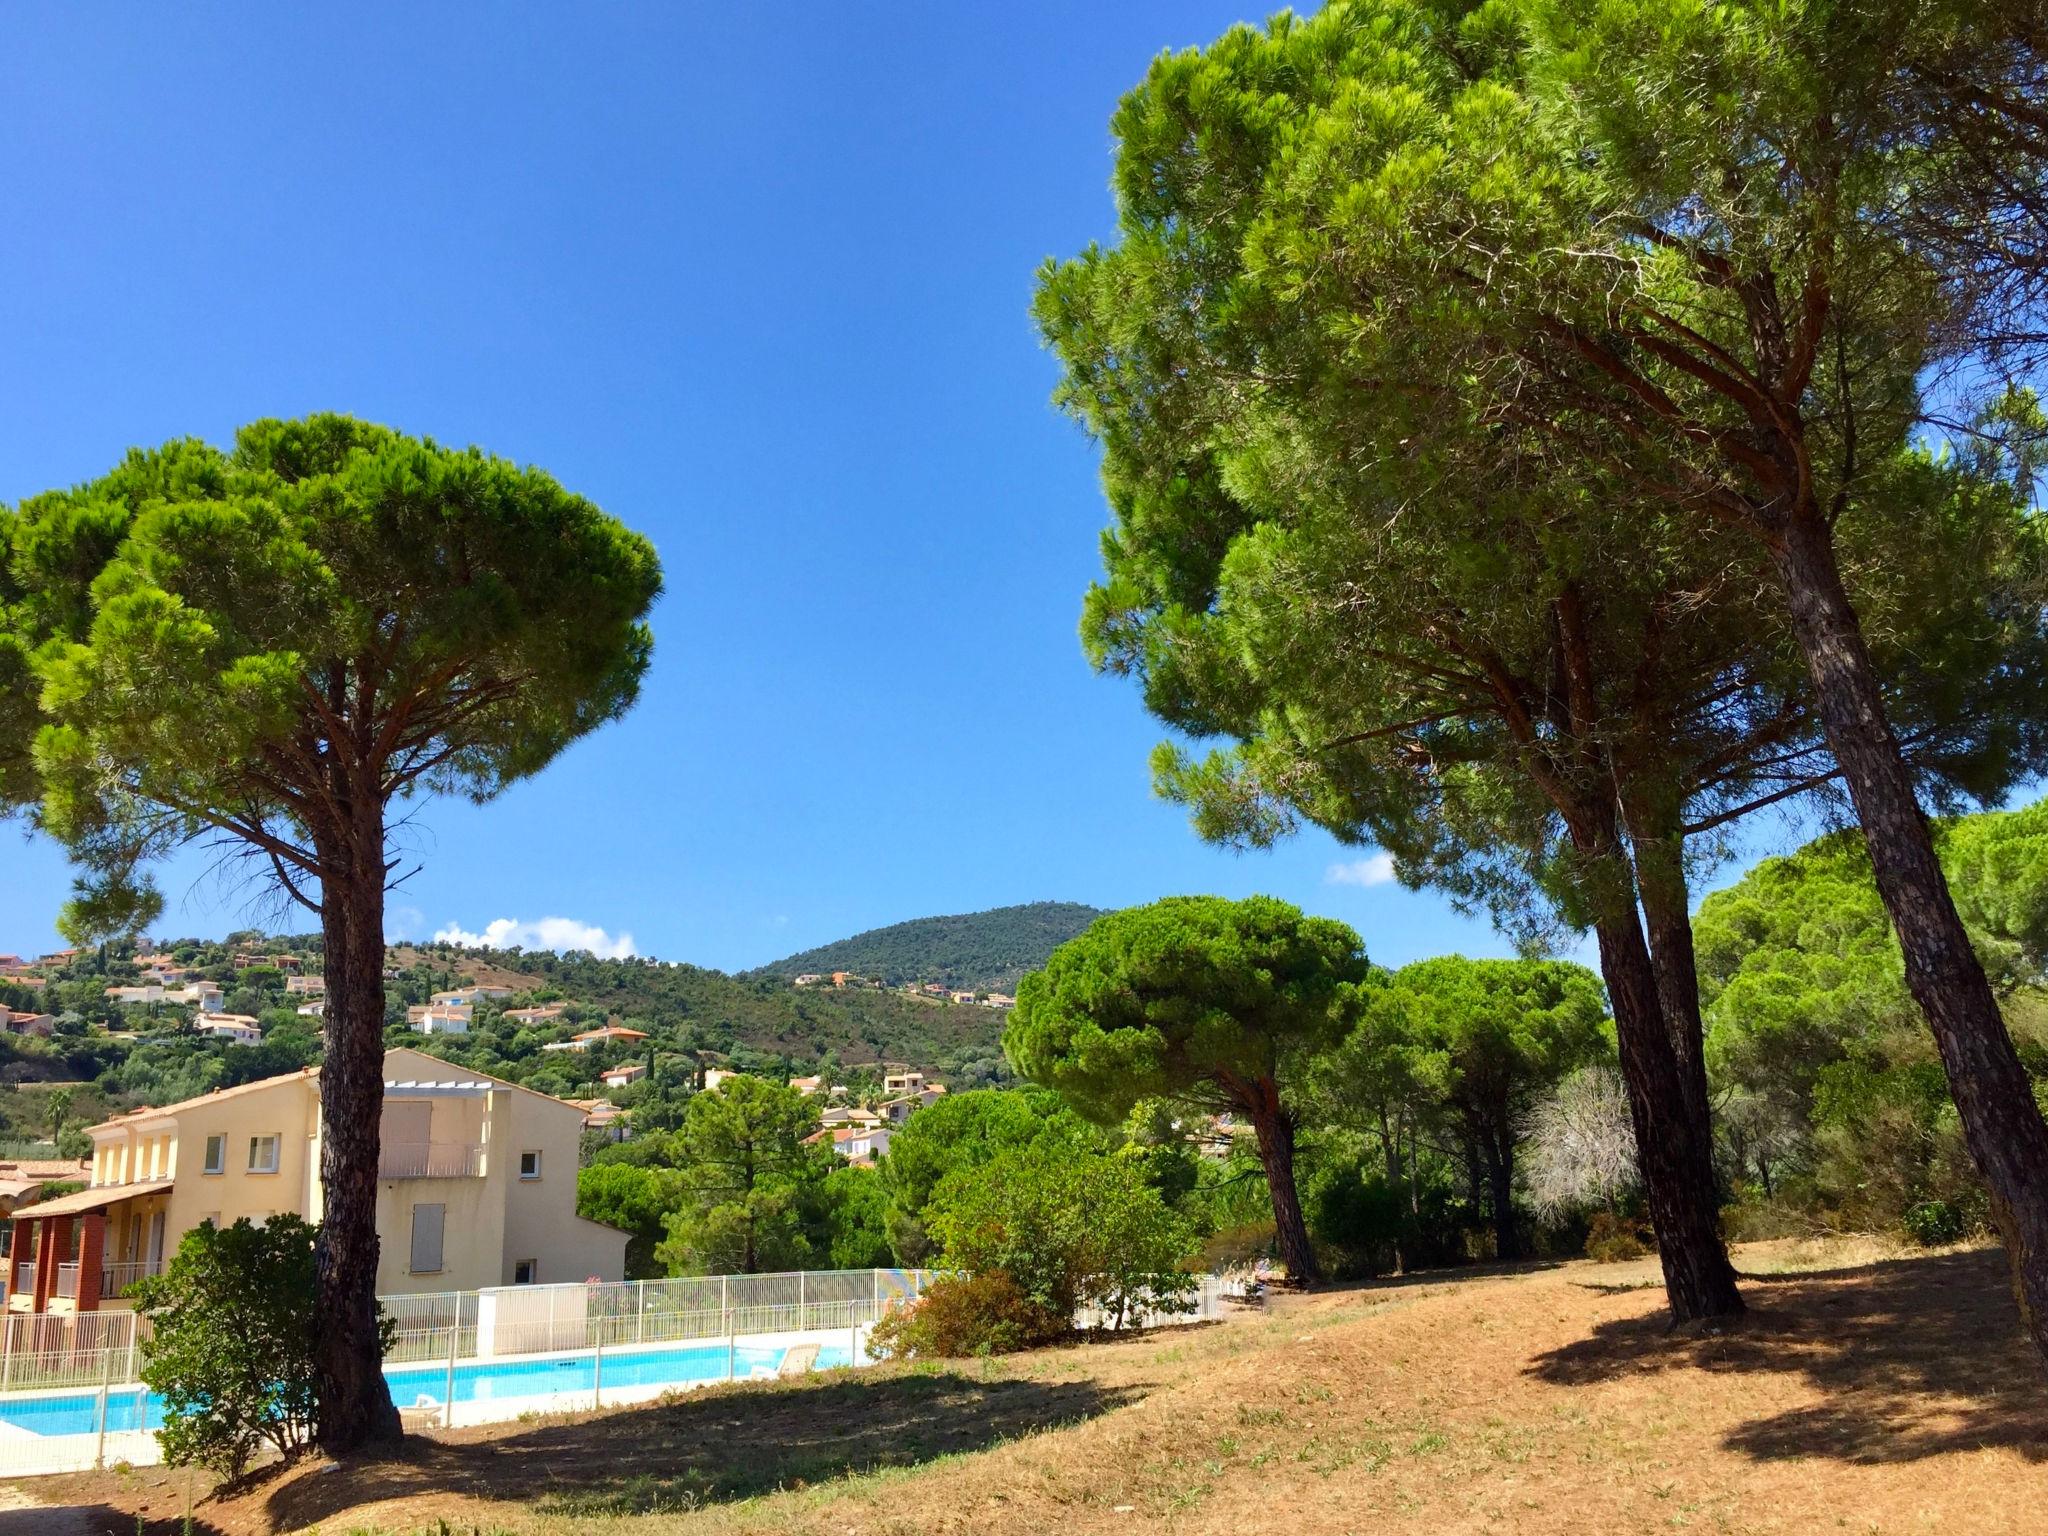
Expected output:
(476, 1187)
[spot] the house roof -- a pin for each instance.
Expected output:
(215, 1097)
(612, 1032)
(92, 1199)
(41, 1170)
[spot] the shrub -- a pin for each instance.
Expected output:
(984, 1314)
(1612, 1238)
(1070, 1227)
(1932, 1222)
(231, 1346)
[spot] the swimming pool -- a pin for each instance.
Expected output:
(529, 1381)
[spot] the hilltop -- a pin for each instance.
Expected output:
(985, 951)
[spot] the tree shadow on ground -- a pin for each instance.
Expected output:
(1915, 1357)
(706, 1447)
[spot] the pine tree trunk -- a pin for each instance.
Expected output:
(1676, 1170)
(1275, 1128)
(355, 1407)
(1667, 915)
(2002, 1123)
(1500, 1183)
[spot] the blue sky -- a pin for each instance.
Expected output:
(755, 279)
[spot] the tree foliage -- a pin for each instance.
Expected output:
(746, 1177)
(230, 1344)
(268, 646)
(1197, 999)
(1070, 1228)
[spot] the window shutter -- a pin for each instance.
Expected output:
(426, 1238)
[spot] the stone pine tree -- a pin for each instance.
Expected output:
(1195, 998)
(1380, 259)
(267, 649)
(1485, 1039)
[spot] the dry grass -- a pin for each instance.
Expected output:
(1865, 1397)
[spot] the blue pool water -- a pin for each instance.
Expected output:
(419, 1386)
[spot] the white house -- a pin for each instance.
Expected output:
(236, 1028)
(439, 1021)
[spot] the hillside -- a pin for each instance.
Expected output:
(987, 951)
(690, 1007)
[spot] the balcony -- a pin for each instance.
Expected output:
(24, 1278)
(437, 1160)
(67, 1281)
(115, 1279)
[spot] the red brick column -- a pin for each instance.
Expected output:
(92, 1244)
(48, 1240)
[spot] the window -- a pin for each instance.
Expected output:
(523, 1272)
(529, 1165)
(216, 1155)
(427, 1221)
(263, 1153)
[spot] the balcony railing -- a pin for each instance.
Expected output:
(67, 1280)
(442, 1160)
(24, 1277)
(116, 1278)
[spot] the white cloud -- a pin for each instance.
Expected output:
(1377, 870)
(560, 933)
(402, 923)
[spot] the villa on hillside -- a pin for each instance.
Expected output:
(439, 1018)
(476, 1187)
(606, 1118)
(235, 1028)
(17, 1022)
(855, 1143)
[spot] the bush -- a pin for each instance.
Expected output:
(231, 1346)
(1070, 1227)
(1933, 1222)
(1612, 1238)
(984, 1314)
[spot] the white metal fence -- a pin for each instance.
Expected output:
(71, 1397)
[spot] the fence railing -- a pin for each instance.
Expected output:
(71, 1398)
(438, 1161)
(116, 1278)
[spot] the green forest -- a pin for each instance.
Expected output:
(979, 951)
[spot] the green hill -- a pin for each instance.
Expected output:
(689, 1008)
(988, 951)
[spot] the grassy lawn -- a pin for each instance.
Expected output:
(1859, 1396)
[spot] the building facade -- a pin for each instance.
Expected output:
(476, 1187)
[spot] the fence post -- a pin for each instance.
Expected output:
(134, 1342)
(597, 1380)
(99, 1454)
(640, 1314)
(729, 1372)
(448, 1398)
(7, 1357)
(799, 1301)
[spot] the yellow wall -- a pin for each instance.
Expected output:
(491, 1221)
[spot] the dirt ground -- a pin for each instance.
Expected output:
(1890, 1396)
